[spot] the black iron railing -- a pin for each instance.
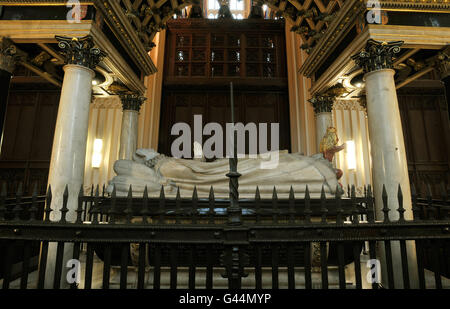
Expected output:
(297, 235)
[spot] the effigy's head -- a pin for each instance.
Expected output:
(329, 140)
(142, 155)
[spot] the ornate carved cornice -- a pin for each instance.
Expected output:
(344, 19)
(377, 55)
(80, 51)
(414, 5)
(132, 102)
(135, 36)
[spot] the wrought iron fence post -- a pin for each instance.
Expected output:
(232, 258)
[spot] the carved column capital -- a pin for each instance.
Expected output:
(8, 55)
(322, 103)
(377, 55)
(132, 101)
(80, 51)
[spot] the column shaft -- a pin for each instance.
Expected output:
(323, 121)
(389, 164)
(128, 134)
(69, 143)
(387, 144)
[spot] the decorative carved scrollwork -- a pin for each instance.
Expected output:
(80, 51)
(132, 101)
(323, 102)
(8, 55)
(377, 55)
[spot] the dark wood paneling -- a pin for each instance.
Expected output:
(427, 140)
(28, 138)
(214, 106)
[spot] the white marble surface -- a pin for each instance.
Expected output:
(389, 164)
(292, 169)
(69, 145)
(128, 134)
(323, 121)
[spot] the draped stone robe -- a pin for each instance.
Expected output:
(293, 170)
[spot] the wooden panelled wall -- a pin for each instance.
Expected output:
(425, 122)
(214, 106)
(28, 138)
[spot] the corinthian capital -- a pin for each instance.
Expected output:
(377, 55)
(322, 103)
(132, 101)
(80, 51)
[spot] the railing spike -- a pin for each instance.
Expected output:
(385, 209)
(339, 210)
(177, 206)
(401, 210)
(257, 194)
(64, 208)
(370, 205)
(48, 208)
(275, 205)
(194, 205)
(211, 200)
(145, 210)
(129, 209)
(211, 193)
(162, 205)
(323, 204)
(95, 209)
(258, 205)
(307, 211)
(291, 205)
(355, 213)
(79, 210)
(113, 210)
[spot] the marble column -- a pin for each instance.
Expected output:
(69, 143)
(8, 53)
(323, 104)
(131, 104)
(389, 163)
